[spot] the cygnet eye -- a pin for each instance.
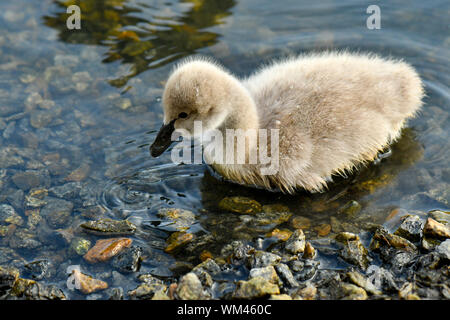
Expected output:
(183, 115)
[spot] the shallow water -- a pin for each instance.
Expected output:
(101, 88)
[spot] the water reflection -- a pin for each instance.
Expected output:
(143, 35)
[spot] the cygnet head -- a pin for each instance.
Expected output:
(198, 90)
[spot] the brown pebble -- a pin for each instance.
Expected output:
(309, 252)
(436, 229)
(323, 229)
(87, 284)
(177, 240)
(105, 249)
(205, 255)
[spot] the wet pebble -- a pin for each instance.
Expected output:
(87, 284)
(240, 205)
(190, 288)
(80, 246)
(261, 259)
(9, 216)
(255, 288)
(286, 276)
(444, 249)
(31, 179)
(108, 226)
(268, 273)
(353, 251)
(128, 260)
(181, 219)
(436, 229)
(105, 249)
(410, 228)
(177, 240)
(57, 212)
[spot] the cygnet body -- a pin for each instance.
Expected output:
(334, 111)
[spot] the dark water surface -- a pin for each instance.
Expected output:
(79, 108)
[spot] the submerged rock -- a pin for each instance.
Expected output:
(361, 281)
(109, 227)
(182, 219)
(57, 212)
(80, 246)
(9, 216)
(350, 209)
(128, 260)
(177, 240)
(8, 278)
(86, 284)
(241, 205)
(104, 250)
(255, 288)
(38, 269)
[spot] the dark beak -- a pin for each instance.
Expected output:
(163, 139)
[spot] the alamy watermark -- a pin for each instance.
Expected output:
(239, 146)
(374, 20)
(74, 20)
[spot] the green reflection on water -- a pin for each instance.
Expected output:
(146, 43)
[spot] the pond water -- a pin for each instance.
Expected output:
(79, 109)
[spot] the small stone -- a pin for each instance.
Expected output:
(177, 240)
(66, 191)
(182, 219)
(104, 250)
(382, 236)
(436, 229)
(148, 289)
(353, 250)
(241, 205)
(268, 273)
(21, 286)
(80, 246)
(272, 214)
(8, 278)
(444, 249)
(123, 104)
(263, 259)
(128, 260)
(30, 179)
(86, 284)
(296, 242)
(40, 118)
(352, 292)
(300, 222)
(38, 269)
(80, 173)
(109, 227)
(361, 281)
(309, 252)
(323, 229)
(205, 255)
(36, 197)
(286, 275)
(282, 235)
(410, 229)
(57, 212)
(308, 293)
(190, 288)
(350, 209)
(9, 216)
(255, 288)
(440, 216)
